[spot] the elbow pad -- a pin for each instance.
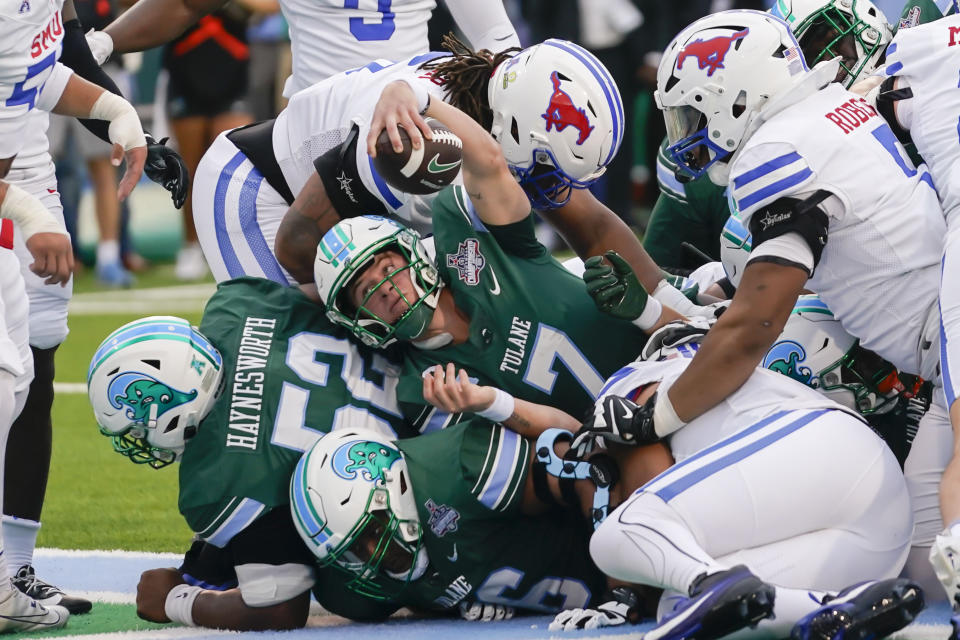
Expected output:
(338, 171)
(786, 215)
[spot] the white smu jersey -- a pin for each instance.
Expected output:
(928, 58)
(31, 33)
(764, 394)
(319, 118)
(879, 272)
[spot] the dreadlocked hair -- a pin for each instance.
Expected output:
(465, 76)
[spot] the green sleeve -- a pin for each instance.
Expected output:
(454, 217)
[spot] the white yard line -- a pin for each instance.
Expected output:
(167, 300)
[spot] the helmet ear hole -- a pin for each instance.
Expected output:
(739, 105)
(515, 130)
(172, 424)
(152, 362)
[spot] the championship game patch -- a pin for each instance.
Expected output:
(912, 19)
(468, 261)
(443, 519)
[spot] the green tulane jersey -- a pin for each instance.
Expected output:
(468, 482)
(534, 330)
(289, 376)
(692, 212)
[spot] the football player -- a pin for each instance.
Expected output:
(694, 211)
(237, 401)
(50, 247)
(678, 531)
(32, 82)
(494, 302)
(786, 141)
(920, 100)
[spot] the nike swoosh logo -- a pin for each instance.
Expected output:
(453, 556)
(436, 166)
(495, 290)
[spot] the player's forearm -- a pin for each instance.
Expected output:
(498, 198)
(591, 229)
(530, 419)
(227, 610)
(151, 23)
(739, 340)
(309, 217)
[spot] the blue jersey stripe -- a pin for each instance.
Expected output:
(501, 474)
(668, 182)
(894, 68)
(946, 374)
(610, 91)
(158, 329)
(765, 168)
(251, 230)
(242, 516)
(677, 487)
(384, 188)
(775, 188)
(229, 256)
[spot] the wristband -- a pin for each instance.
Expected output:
(674, 298)
(179, 604)
(125, 128)
(665, 418)
(650, 316)
(28, 213)
(501, 408)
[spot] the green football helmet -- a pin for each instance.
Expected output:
(353, 505)
(350, 248)
(825, 27)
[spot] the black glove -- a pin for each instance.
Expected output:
(473, 611)
(617, 419)
(165, 167)
(668, 338)
(623, 607)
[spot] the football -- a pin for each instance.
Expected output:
(420, 171)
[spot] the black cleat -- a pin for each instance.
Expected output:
(27, 581)
(719, 604)
(865, 611)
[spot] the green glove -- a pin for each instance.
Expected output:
(614, 289)
(676, 282)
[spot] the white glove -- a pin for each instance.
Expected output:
(609, 614)
(945, 558)
(101, 45)
(472, 610)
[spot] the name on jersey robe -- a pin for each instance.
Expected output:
(246, 400)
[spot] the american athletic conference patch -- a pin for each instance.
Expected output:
(468, 261)
(443, 519)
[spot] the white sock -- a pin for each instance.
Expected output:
(790, 605)
(19, 539)
(108, 252)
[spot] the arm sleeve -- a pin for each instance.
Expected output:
(76, 55)
(485, 23)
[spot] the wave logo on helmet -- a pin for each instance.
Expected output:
(139, 393)
(562, 113)
(336, 245)
(364, 457)
(711, 53)
(786, 357)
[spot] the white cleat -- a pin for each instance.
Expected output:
(19, 612)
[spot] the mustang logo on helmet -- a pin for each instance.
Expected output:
(368, 458)
(711, 53)
(785, 357)
(561, 112)
(139, 392)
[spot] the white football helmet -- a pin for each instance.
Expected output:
(558, 117)
(716, 77)
(815, 350)
(150, 383)
(353, 505)
(347, 249)
(856, 31)
(735, 244)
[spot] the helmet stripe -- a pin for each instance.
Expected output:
(174, 328)
(609, 87)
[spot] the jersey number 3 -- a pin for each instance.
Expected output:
(367, 31)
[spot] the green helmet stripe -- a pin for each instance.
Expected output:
(133, 341)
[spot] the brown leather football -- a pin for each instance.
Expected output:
(425, 170)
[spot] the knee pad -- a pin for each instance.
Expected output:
(601, 469)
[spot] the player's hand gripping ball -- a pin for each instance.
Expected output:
(420, 171)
